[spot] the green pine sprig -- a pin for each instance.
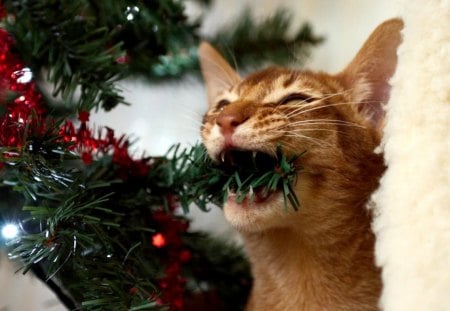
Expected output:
(202, 181)
(268, 39)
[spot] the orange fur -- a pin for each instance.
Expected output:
(321, 257)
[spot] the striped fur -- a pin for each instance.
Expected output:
(321, 257)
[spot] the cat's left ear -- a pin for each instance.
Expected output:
(367, 76)
(217, 73)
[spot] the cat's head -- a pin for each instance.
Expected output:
(336, 119)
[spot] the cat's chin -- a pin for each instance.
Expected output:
(256, 215)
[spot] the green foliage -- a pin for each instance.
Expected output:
(214, 262)
(267, 39)
(84, 47)
(85, 226)
(93, 231)
(89, 45)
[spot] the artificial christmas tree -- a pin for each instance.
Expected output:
(99, 225)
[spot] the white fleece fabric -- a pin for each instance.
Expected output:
(412, 205)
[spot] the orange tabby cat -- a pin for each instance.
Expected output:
(322, 256)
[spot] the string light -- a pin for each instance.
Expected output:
(10, 231)
(131, 12)
(23, 76)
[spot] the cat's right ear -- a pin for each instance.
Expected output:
(217, 73)
(368, 75)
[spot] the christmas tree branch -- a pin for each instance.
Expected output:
(99, 221)
(84, 47)
(268, 39)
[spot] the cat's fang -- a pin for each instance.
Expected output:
(251, 193)
(222, 157)
(262, 194)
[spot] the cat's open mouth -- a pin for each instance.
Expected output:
(247, 160)
(249, 163)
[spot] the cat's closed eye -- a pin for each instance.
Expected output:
(300, 97)
(221, 104)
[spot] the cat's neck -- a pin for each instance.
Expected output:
(332, 271)
(325, 261)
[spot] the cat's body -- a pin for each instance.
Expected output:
(321, 257)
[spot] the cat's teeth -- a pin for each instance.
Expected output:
(254, 154)
(222, 157)
(250, 192)
(265, 193)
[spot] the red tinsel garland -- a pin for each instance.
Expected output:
(26, 116)
(15, 77)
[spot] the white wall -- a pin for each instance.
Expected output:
(168, 113)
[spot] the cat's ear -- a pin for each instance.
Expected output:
(367, 76)
(217, 73)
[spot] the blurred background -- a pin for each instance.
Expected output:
(165, 113)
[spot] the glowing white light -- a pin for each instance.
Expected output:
(25, 75)
(131, 12)
(10, 231)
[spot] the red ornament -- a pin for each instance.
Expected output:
(158, 240)
(87, 158)
(83, 116)
(133, 290)
(123, 59)
(185, 255)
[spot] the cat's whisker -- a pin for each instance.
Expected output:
(300, 112)
(299, 124)
(315, 129)
(305, 103)
(287, 146)
(327, 96)
(193, 119)
(187, 126)
(313, 106)
(317, 141)
(188, 111)
(196, 124)
(320, 130)
(323, 122)
(314, 103)
(321, 143)
(328, 120)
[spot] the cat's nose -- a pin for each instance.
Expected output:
(228, 122)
